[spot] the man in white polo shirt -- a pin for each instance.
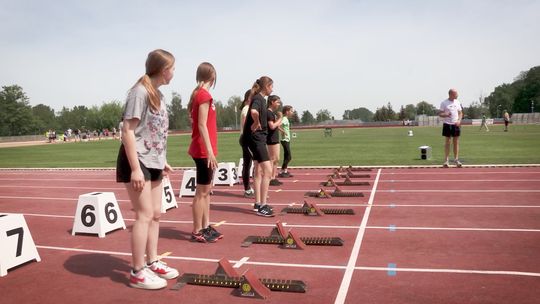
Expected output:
(452, 112)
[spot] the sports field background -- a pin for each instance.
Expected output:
(355, 146)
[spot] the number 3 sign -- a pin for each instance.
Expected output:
(97, 213)
(16, 242)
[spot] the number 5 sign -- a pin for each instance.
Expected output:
(97, 213)
(167, 198)
(16, 242)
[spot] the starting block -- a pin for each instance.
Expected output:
(18, 247)
(351, 168)
(332, 183)
(225, 174)
(189, 183)
(245, 285)
(337, 193)
(313, 210)
(97, 213)
(167, 198)
(348, 173)
(319, 194)
(289, 240)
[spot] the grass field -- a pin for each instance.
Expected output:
(359, 146)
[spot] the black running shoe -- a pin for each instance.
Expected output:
(213, 232)
(266, 211)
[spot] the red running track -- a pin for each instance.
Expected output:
(425, 235)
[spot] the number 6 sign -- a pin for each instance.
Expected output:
(97, 213)
(17, 244)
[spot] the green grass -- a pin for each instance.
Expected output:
(361, 146)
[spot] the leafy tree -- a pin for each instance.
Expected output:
(323, 115)
(425, 108)
(15, 112)
(44, 118)
(307, 118)
(410, 111)
(385, 113)
(178, 115)
(360, 113)
(294, 118)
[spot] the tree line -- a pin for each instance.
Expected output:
(17, 117)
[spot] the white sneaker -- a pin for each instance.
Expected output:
(445, 165)
(162, 270)
(146, 279)
(458, 163)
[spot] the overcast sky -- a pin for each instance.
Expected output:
(333, 55)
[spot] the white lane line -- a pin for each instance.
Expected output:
(457, 229)
(462, 271)
(241, 262)
(345, 283)
(298, 203)
(296, 265)
(318, 226)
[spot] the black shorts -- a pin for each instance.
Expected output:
(123, 169)
(506, 123)
(451, 130)
(205, 175)
(259, 151)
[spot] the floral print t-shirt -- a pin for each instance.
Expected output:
(151, 132)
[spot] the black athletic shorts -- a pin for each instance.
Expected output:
(259, 151)
(123, 169)
(451, 130)
(205, 175)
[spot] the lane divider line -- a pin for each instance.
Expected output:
(346, 282)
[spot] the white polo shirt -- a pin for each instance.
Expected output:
(452, 107)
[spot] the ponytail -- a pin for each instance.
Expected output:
(259, 85)
(156, 62)
(154, 99)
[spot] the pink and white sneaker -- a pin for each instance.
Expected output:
(162, 270)
(146, 279)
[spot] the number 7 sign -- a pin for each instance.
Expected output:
(16, 242)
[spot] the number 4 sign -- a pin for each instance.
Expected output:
(189, 183)
(16, 242)
(97, 213)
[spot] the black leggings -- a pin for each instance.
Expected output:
(286, 154)
(246, 155)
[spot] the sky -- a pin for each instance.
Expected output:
(335, 55)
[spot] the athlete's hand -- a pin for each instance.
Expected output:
(167, 170)
(255, 126)
(212, 161)
(137, 180)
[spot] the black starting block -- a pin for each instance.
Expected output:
(246, 285)
(337, 193)
(313, 210)
(289, 240)
(331, 183)
(351, 168)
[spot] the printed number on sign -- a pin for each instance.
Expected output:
(191, 184)
(20, 232)
(88, 218)
(168, 195)
(235, 175)
(223, 176)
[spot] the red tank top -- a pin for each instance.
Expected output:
(197, 148)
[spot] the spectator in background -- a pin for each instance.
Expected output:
(506, 120)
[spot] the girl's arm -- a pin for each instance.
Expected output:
(203, 130)
(128, 139)
(256, 123)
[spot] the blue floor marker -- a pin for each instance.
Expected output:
(391, 269)
(392, 205)
(392, 228)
